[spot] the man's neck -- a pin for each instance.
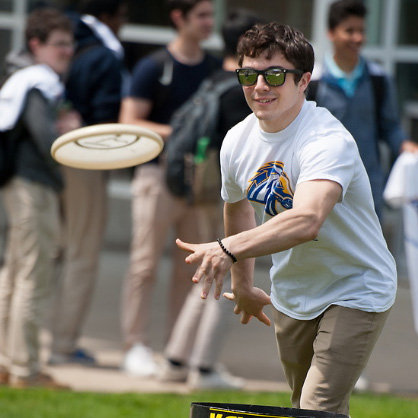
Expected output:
(346, 64)
(186, 51)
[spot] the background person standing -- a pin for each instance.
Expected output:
(94, 88)
(29, 105)
(161, 83)
(358, 93)
(194, 346)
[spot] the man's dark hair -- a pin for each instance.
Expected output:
(277, 38)
(100, 7)
(183, 5)
(235, 25)
(342, 9)
(41, 22)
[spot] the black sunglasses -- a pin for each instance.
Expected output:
(273, 76)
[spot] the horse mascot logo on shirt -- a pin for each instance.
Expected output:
(270, 185)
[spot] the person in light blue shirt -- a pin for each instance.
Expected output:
(359, 93)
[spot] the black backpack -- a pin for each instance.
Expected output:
(8, 147)
(192, 169)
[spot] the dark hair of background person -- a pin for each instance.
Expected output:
(277, 38)
(41, 22)
(234, 26)
(99, 7)
(342, 9)
(183, 5)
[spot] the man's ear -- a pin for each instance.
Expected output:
(33, 45)
(304, 81)
(176, 17)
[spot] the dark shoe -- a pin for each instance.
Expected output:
(39, 380)
(78, 356)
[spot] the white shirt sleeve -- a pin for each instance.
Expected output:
(331, 157)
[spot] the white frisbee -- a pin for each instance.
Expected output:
(107, 146)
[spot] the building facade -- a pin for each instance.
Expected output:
(391, 32)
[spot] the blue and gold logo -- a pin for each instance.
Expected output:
(271, 186)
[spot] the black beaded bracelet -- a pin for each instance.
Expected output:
(234, 259)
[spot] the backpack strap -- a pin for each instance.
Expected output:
(165, 74)
(378, 85)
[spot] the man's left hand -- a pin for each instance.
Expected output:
(250, 304)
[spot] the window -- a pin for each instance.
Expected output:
(408, 28)
(6, 5)
(297, 13)
(374, 21)
(150, 12)
(407, 82)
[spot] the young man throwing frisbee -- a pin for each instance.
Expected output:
(298, 168)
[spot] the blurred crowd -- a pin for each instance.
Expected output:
(72, 73)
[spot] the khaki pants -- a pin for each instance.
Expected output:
(155, 211)
(323, 357)
(84, 206)
(26, 276)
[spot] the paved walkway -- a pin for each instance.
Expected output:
(249, 350)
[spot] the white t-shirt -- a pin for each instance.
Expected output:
(349, 263)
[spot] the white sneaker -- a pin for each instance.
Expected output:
(362, 384)
(219, 378)
(170, 373)
(139, 361)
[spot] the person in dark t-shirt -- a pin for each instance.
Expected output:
(161, 82)
(195, 344)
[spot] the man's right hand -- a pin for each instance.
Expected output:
(212, 265)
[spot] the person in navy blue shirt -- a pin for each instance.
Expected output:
(94, 87)
(161, 82)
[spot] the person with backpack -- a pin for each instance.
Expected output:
(359, 93)
(193, 350)
(32, 115)
(94, 87)
(161, 83)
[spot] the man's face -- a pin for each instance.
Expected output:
(348, 37)
(199, 21)
(56, 52)
(275, 107)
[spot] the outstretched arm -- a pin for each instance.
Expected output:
(312, 203)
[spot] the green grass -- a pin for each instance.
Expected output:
(39, 403)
